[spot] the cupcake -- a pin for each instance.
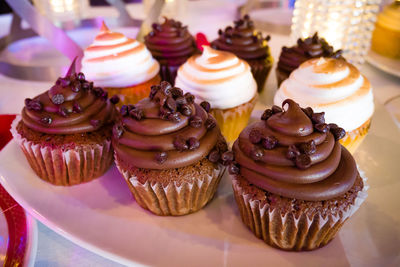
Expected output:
(247, 44)
(337, 88)
(386, 36)
(170, 152)
(294, 183)
(226, 82)
(121, 65)
(292, 57)
(171, 45)
(65, 132)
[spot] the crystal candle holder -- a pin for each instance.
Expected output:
(345, 24)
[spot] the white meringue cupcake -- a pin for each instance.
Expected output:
(337, 88)
(121, 65)
(224, 81)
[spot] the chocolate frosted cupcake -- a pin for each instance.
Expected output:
(292, 57)
(169, 151)
(171, 45)
(243, 41)
(65, 132)
(294, 183)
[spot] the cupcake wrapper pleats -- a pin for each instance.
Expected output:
(70, 167)
(283, 230)
(353, 139)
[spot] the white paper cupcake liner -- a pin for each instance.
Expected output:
(283, 230)
(175, 198)
(65, 167)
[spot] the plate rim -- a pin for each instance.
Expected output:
(375, 60)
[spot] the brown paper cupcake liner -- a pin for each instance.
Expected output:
(65, 167)
(175, 198)
(133, 94)
(281, 229)
(353, 139)
(260, 70)
(168, 73)
(232, 121)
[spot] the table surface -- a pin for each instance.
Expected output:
(55, 250)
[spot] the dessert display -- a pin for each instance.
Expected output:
(294, 183)
(171, 45)
(170, 151)
(121, 65)
(226, 82)
(246, 43)
(65, 132)
(338, 89)
(292, 57)
(386, 36)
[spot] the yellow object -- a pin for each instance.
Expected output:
(353, 139)
(386, 36)
(232, 121)
(135, 93)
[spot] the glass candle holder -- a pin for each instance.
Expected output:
(345, 24)
(60, 11)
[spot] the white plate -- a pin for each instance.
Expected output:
(103, 217)
(388, 65)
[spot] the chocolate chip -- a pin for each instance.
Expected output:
(318, 117)
(104, 95)
(206, 106)
(176, 92)
(220, 32)
(181, 100)
(255, 136)
(161, 157)
(307, 148)
(338, 133)
(193, 143)
(180, 143)
(171, 104)
(76, 87)
(268, 38)
(267, 113)
(174, 117)
(221, 146)
(165, 87)
(214, 156)
(34, 105)
(152, 33)
(64, 82)
(332, 125)
(276, 109)
(321, 127)
(308, 111)
(189, 98)
(246, 17)
(227, 157)
(62, 111)
(114, 99)
(81, 76)
(136, 114)
(256, 153)
(303, 161)
(228, 41)
(118, 131)
(87, 85)
(196, 122)
(292, 152)
(153, 91)
(233, 169)
(210, 123)
(76, 107)
(269, 142)
(186, 110)
(57, 99)
(98, 91)
(46, 120)
(124, 111)
(95, 123)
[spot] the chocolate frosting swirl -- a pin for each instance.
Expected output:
(311, 47)
(293, 153)
(71, 106)
(243, 40)
(167, 130)
(170, 42)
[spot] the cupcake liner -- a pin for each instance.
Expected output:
(260, 70)
(386, 41)
(353, 139)
(174, 198)
(168, 73)
(65, 167)
(233, 121)
(280, 76)
(283, 230)
(133, 94)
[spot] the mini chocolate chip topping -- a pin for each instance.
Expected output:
(69, 106)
